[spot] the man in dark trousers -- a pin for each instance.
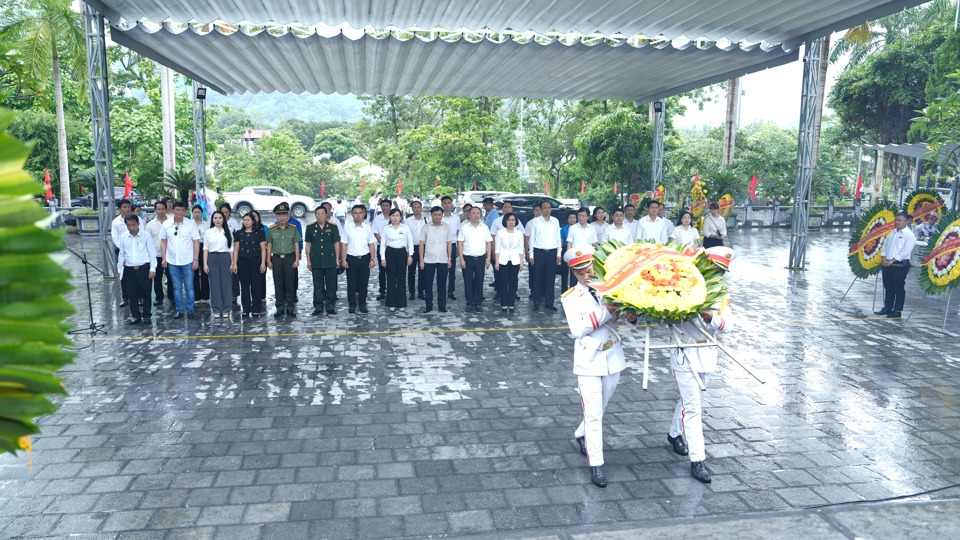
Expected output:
(283, 256)
(897, 249)
(322, 244)
(137, 265)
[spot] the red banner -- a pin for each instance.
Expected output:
(46, 183)
(399, 187)
(843, 189)
(323, 188)
(753, 187)
(546, 188)
(363, 184)
(614, 188)
(948, 246)
(856, 193)
(474, 185)
(583, 186)
(127, 186)
(436, 182)
(926, 208)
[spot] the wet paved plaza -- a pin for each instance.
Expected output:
(409, 425)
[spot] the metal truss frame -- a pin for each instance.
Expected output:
(659, 117)
(97, 72)
(805, 158)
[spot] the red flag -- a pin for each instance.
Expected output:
(753, 187)
(323, 188)
(546, 188)
(583, 186)
(474, 185)
(614, 188)
(843, 189)
(399, 187)
(80, 190)
(856, 193)
(46, 183)
(436, 182)
(127, 186)
(363, 183)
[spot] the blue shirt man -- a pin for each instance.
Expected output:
(492, 213)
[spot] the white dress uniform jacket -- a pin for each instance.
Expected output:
(597, 350)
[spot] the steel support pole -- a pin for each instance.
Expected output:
(805, 157)
(199, 141)
(97, 71)
(659, 113)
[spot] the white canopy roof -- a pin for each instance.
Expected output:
(788, 22)
(284, 59)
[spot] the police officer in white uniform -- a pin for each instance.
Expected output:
(686, 431)
(597, 355)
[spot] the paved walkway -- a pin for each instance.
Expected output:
(402, 425)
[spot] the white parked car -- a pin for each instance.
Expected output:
(265, 198)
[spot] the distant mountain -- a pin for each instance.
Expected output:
(309, 107)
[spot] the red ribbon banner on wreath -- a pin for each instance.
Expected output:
(875, 234)
(948, 246)
(926, 208)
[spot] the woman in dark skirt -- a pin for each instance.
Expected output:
(250, 262)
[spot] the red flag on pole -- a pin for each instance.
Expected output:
(127, 186)
(546, 188)
(399, 187)
(80, 190)
(46, 183)
(323, 188)
(856, 194)
(363, 183)
(614, 188)
(436, 182)
(843, 189)
(583, 186)
(474, 185)
(753, 187)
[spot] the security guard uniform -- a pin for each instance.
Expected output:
(284, 255)
(323, 262)
(597, 359)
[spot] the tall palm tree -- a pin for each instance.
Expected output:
(47, 32)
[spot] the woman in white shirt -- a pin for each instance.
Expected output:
(396, 254)
(201, 281)
(217, 258)
(684, 233)
(508, 260)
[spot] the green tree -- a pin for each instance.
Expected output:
(280, 161)
(941, 123)
(617, 147)
(340, 143)
(306, 131)
(179, 182)
(40, 127)
(47, 32)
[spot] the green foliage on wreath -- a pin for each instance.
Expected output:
(32, 307)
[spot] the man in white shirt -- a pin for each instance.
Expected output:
(415, 222)
(630, 219)
(153, 229)
(453, 222)
(896, 253)
(358, 258)
(180, 252)
(651, 226)
(118, 228)
(545, 244)
(527, 254)
(475, 245)
(379, 222)
(582, 232)
(137, 264)
(666, 222)
(619, 230)
(434, 254)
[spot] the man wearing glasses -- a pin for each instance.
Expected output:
(180, 252)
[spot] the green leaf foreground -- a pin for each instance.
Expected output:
(32, 308)
(712, 276)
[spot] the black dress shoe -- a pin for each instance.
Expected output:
(535, 308)
(679, 446)
(352, 309)
(478, 309)
(147, 320)
(291, 313)
(551, 308)
(893, 315)
(331, 312)
(442, 310)
(278, 314)
(381, 296)
(421, 296)
(426, 310)
(363, 309)
(699, 471)
(451, 297)
(158, 302)
(583, 446)
(179, 315)
(124, 303)
(597, 476)
(189, 314)
(317, 312)
(412, 296)
(137, 320)
(883, 311)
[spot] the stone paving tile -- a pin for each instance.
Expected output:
(340, 427)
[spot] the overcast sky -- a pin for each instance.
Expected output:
(772, 95)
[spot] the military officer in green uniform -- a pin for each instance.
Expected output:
(323, 260)
(283, 257)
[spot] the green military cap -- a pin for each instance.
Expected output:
(282, 208)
